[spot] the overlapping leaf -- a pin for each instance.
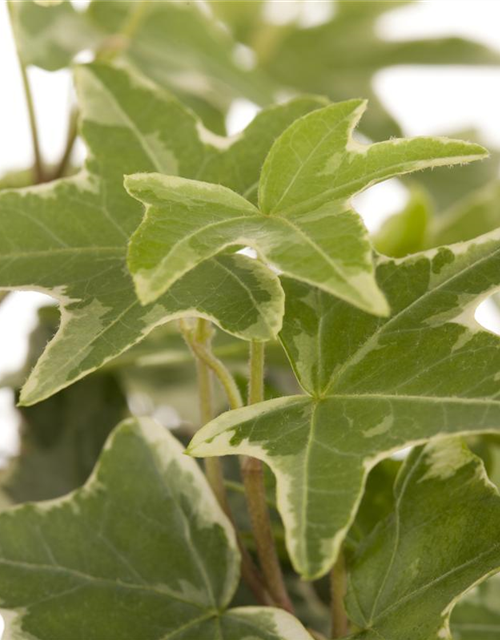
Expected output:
(375, 386)
(340, 57)
(182, 47)
(407, 576)
(173, 575)
(304, 225)
(69, 238)
(49, 36)
(477, 615)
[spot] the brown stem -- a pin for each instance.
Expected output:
(72, 134)
(200, 343)
(253, 480)
(38, 166)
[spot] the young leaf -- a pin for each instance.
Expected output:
(407, 576)
(477, 615)
(144, 545)
(375, 385)
(69, 238)
(305, 226)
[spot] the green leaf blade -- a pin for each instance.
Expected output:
(405, 580)
(427, 371)
(174, 575)
(69, 238)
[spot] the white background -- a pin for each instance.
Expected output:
(424, 100)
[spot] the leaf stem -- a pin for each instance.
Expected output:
(218, 368)
(338, 584)
(119, 42)
(38, 166)
(199, 342)
(213, 467)
(72, 134)
(253, 480)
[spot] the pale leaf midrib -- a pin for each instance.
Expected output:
(42, 253)
(89, 578)
(410, 398)
(396, 605)
(305, 162)
(335, 194)
(356, 357)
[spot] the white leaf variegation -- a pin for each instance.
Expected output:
(440, 540)
(373, 386)
(69, 238)
(304, 226)
(141, 551)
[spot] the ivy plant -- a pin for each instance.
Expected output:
(308, 417)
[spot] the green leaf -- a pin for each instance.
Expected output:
(69, 238)
(305, 226)
(150, 559)
(62, 437)
(472, 216)
(407, 576)
(340, 57)
(180, 46)
(50, 36)
(477, 615)
(406, 231)
(375, 386)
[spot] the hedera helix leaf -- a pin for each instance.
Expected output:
(477, 616)
(151, 559)
(68, 238)
(374, 386)
(408, 574)
(340, 57)
(304, 225)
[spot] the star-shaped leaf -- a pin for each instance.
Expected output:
(304, 225)
(441, 539)
(374, 386)
(69, 238)
(141, 551)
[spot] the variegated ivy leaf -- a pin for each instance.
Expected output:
(374, 386)
(141, 551)
(304, 225)
(69, 238)
(477, 615)
(441, 539)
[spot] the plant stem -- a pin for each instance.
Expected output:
(72, 134)
(218, 368)
(38, 167)
(340, 623)
(200, 343)
(118, 42)
(213, 467)
(253, 480)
